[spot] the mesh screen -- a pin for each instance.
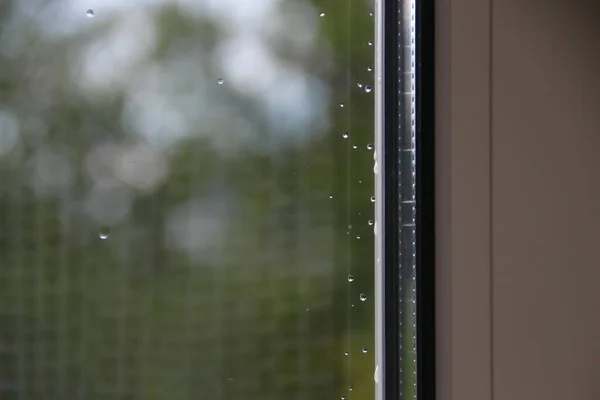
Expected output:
(185, 197)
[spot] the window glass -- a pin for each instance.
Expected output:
(186, 199)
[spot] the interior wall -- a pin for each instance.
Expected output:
(545, 199)
(518, 199)
(463, 290)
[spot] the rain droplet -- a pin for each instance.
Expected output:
(369, 146)
(376, 168)
(368, 89)
(363, 297)
(220, 81)
(358, 236)
(341, 105)
(308, 309)
(376, 374)
(90, 13)
(372, 199)
(355, 147)
(350, 278)
(364, 350)
(331, 196)
(369, 69)
(359, 84)
(343, 398)
(370, 222)
(370, 43)
(104, 233)
(370, 13)
(345, 135)
(346, 353)
(350, 388)
(322, 15)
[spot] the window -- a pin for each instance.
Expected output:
(188, 206)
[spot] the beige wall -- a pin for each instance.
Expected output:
(518, 199)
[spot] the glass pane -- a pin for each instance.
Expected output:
(186, 199)
(407, 213)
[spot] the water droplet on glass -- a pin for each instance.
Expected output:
(370, 222)
(308, 309)
(346, 353)
(350, 388)
(350, 278)
(341, 105)
(90, 13)
(369, 146)
(358, 236)
(376, 374)
(322, 15)
(343, 398)
(345, 135)
(370, 43)
(104, 233)
(363, 297)
(331, 196)
(364, 350)
(372, 199)
(376, 168)
(368, 89)
(355, 147)
(359, 84)
(370, 13)
(220, 81)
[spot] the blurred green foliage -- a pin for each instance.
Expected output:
(255, 303)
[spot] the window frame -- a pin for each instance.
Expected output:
(388, 313)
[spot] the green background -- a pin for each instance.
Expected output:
(225, 277)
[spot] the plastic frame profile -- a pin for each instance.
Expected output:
(389, 36)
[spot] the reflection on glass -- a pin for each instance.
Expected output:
(407, 194)
(186, 199)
